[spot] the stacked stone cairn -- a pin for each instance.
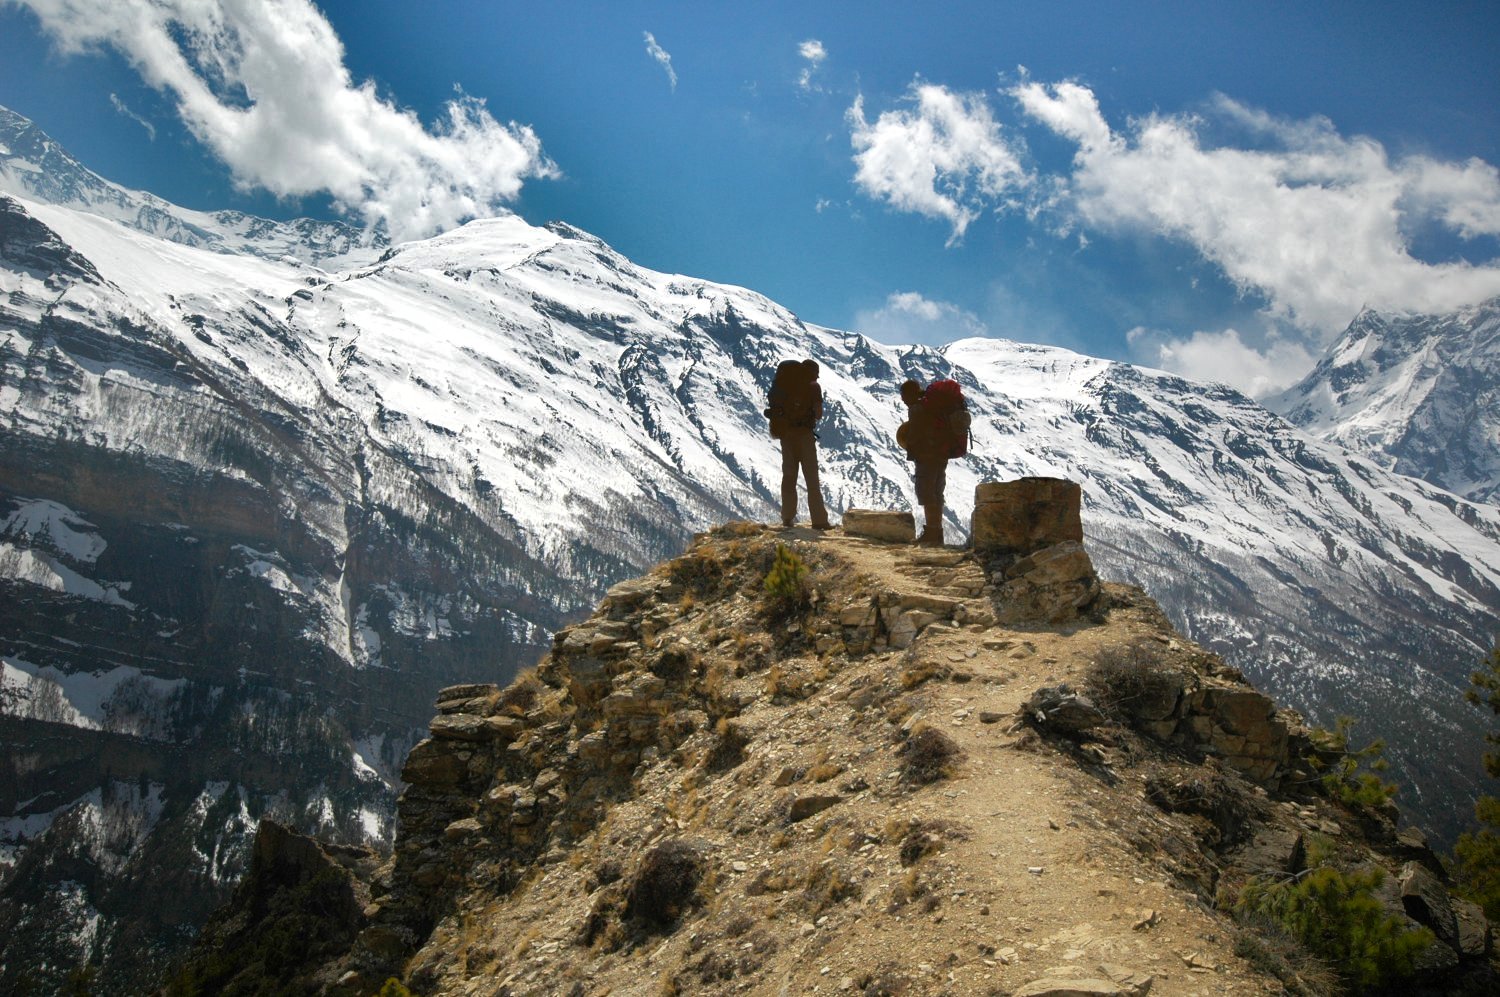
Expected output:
(1028, 536)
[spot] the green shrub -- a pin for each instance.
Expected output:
(786, 582)
(1337, 917)
(1351, 775)
(394, 988)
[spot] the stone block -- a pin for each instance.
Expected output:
(938, 605)
(1241, 710)
(858, 614)
(504, 729)
(1057, 564)
(461, 829)
(1474, 935)
(632, 592)
(471, 690)
(880, 524)
(1055, 986)
(1426, 901)
(805, 806)
(431, 763)
(460, 727)
(1022, 516)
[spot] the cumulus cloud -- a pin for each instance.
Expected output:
(943, 156)
(124, 109)
(814, 53)
(663, 58)
(908, 317)
(1224, 357)
(1317, 222)
(262, 84)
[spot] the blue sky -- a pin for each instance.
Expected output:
(1214, 188)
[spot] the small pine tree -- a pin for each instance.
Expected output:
(786, 582)
(1477, 855)
(1338, 918)
(1353, 778)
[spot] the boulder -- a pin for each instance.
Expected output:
(472, 690)
(1060, 708)
(431, 763)
(880, 524)
(1052, 986)
(1050, 585)
(1022, 516)
(460, 727)
(1426, 901)
(1474, 936)
(805, 806)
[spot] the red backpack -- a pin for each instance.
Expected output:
(944, 403)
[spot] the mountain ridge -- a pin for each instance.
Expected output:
(328, 489)
(724, 782)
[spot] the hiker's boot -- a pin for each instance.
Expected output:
(932, 531)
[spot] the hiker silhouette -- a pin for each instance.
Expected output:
(936, 431)
(795, 406)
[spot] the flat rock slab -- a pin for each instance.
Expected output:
(805, 806)
(1055, 987)
(470, 690)
(881, 524)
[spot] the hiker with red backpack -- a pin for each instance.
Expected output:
(796, 405)
(936, 431)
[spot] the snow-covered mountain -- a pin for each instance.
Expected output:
(257, 505)
(1419, 394)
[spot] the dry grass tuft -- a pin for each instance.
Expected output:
(666, 883)
(929, 755)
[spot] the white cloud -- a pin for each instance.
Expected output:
(661, 56)
(943, 157)
(1316, 222)
(813, 51)
(908, 317)
(120, 106)
(262, 83)
(1224, 357)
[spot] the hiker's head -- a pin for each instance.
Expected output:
(810, 370)
(911, 391)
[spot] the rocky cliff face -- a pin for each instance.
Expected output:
(906, 771)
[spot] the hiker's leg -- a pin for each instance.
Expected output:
(788, 479)
(815, 510)
(928, 496)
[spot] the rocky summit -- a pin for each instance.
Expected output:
(800, 762)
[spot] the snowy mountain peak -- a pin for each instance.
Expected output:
(36, 168)
(1420, 394)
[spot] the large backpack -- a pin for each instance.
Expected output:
(793, 402)
(776, 403)
(943, 403)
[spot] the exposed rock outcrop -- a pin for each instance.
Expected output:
(701, 789)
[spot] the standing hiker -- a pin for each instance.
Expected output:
(936, 431)
(796, 405)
